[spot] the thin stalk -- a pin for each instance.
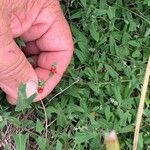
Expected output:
(141, 106)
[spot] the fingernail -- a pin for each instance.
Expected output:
(31, 88)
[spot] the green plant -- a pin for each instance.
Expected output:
(100, 90)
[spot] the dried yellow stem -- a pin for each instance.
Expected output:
(141, 106)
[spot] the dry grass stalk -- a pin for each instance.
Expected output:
(141, 106)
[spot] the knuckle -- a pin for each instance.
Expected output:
(13, 68)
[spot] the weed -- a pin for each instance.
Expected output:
(100, 90)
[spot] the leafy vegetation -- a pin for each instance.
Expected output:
(101, 88)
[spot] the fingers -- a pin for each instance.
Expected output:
(31, 49)
(58, 37)
(57, 47)
(50, 83)
(45, 62)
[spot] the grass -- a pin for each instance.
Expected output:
(100, 90)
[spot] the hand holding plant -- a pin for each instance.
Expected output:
(47, 37)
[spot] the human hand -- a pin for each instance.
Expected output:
(43, 28)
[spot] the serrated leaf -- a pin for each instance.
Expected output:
(127, 129)
(134, 43)
(74, 92)
(100, 12)
(50, 110)
(132, 26)
(136, 54)
(20, 141)
(2, 124)
(27, 123)
(112, 44)
(81, 56)
(147, 2)
(93, 31)
(125, 38)
(107, 113)
(94, 87)
(14, 121)
(61, 119)
(140, 142)
(124, 118)
(117, 93)
(39, 126)
(22, 101)
(76, 15)
(89, 72)
(83, 2)
(41, 143)
(85, 136)
(74, 107)
(80, 37)
(111, 71)
(58, 145)
(111, 12)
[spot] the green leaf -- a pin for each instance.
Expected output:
(22, 101)
(111, 12)
(20, 141)
(20, 42)
(93, 31)
(58, 145)
(127, 129)
(147, 2)
(112, 44)
(2, 124)
(100, 12)
(50, 110)
(83, 2)
(89, 72)
(39, 126)
(41, 143)
(128, 89)
(140, 142)
(125, 38)
(134, 43)
(81, 56)
(136, 54)
(107, 113)
(124, 118)
(117, 93)
(13, 120)
(132, 26)
(80, 37)
(94, 87)
(76, 15)
(74, 92)
(83, 137)
(111, 71)
(61, 119)
(147, 33)
(27, 123)
(74, 107)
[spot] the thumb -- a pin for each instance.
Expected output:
(14, 67)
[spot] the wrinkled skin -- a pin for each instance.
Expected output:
(41, 24)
